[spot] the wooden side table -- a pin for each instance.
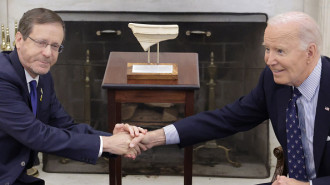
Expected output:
(119, 91)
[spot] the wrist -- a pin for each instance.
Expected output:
(157, 137)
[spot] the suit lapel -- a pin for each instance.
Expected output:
(322, 117)
(21, 73)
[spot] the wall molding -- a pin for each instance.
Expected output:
(324, 22)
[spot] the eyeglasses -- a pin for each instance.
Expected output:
(44, 44)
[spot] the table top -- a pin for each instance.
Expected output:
(115, 76)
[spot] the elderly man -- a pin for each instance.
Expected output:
(293, 92)
(31, 117)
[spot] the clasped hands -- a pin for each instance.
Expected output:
(127, 140)
(283, 180)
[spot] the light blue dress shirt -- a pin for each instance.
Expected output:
(306, 112)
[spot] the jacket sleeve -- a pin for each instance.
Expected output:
(17, 120)
(244, 114)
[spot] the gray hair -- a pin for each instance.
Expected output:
(309, 31)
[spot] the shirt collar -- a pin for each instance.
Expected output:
(309, 86)
(29, 77)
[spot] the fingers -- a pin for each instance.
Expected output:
(129, 156)
(119, 127)
(138, 130)
(137, 149)
(283, 180)
(142, 146)
(128, 128)
(134, 131)
(142, 130)
(136, 140)
(133, 152)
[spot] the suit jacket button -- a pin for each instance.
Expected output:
(7, 183)
(22, 163)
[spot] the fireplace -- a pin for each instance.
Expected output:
(227, 43)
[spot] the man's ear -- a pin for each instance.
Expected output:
(18, 39)
(311, 50)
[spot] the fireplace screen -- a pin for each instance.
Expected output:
(230, 61)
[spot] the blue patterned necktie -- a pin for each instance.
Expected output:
(296, 158)
(33, 94)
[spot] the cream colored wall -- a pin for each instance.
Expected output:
(271, 7)
(324, 22)
(3, 12)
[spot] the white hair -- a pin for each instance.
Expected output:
(309, 31)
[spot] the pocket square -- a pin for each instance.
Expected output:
(328, 138)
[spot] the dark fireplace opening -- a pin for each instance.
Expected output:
(230, 61)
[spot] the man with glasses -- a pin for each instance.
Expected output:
(31, 117)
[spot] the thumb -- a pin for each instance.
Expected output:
(136, 140)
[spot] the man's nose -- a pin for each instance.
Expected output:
(270, 58)
(47, 51)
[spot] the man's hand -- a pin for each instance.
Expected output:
(134, 131)
(151, 139)
(283, 180)
(117, 143)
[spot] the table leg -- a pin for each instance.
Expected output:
(188, 151)
(114, 113)
(118, 160)
(112, 171)
(188, 165)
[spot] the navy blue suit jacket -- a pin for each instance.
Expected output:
(22, 135)
(267, 100)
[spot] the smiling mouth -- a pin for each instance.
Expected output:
(277, 71)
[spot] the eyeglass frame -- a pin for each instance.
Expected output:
(44, 44)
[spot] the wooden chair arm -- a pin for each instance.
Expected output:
(280, 168)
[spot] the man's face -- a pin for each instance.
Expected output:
(35, 58)
(284, 55)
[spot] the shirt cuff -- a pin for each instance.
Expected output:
(171, 135)
(101, 147)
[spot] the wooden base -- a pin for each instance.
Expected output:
(152, 78)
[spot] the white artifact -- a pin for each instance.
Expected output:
(149, 34)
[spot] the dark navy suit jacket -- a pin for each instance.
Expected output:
(267, 100)
(22, 135)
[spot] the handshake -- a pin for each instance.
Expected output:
(130, 140)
